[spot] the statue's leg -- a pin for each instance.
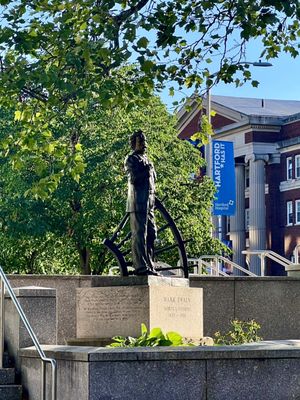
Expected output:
(138, 226)
(151, 236)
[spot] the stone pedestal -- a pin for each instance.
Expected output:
(293, 270)
(39, 306)
(167, 303)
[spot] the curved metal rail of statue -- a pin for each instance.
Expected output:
(116, 248)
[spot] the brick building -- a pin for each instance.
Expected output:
(266, 137)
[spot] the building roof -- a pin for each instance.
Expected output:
(259, 107)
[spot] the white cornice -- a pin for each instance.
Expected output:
(266, 128)
(266, 120)
(291, 119)
(291, 184)
(255, 148)
(295, 147)
(234, 128)
(247, 127)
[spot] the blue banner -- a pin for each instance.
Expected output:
(224, 177)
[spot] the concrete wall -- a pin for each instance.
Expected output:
(268, 371)
(39, 306)
(274, 302)
(66, 293)
(66, 298)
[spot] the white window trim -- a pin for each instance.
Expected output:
(297, 203)
(297, 157)
(288, 205)
(288, 160)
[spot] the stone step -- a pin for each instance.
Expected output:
(10, 392)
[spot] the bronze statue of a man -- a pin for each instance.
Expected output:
(140, 205)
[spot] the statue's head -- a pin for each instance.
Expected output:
(138, 142)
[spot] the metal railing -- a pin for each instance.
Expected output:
(202, 267)
(296, 254)
(213, 267)
(45, 360)
(263, 254)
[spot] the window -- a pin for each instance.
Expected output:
(289, 168)
(297, 167)
(297, 205)
(247, 219)
(247, 178)
(289, 213)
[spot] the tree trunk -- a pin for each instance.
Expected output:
(84, 255)
(30, 261)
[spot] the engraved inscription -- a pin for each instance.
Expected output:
(110, 311)
(177, 309)
(105, 312)
(177, 306)
(99, 305)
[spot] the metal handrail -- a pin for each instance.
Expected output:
(218, 258)
(237, 266)
(269, 254)
(207, 265)
(6, 285)
(296, 253)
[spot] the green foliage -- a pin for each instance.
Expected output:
(206, 131)
(152, 339)
(59, 58)
(63, 232)
(240, 333)
(70, 101)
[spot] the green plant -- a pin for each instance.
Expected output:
(241, 332)
(152, 339)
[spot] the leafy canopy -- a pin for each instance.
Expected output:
(63, 232)
(60, 58)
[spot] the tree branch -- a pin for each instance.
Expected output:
(31, 93)
(124, 15)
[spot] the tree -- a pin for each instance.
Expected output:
(64, 231)
(58, 57)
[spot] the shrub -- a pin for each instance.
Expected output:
(241, 332)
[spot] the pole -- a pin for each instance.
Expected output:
(208, 150)
(208, 158)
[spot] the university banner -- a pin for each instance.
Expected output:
(224, 177)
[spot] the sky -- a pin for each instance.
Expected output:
(281, 81)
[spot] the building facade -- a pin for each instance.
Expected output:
(266, 138)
